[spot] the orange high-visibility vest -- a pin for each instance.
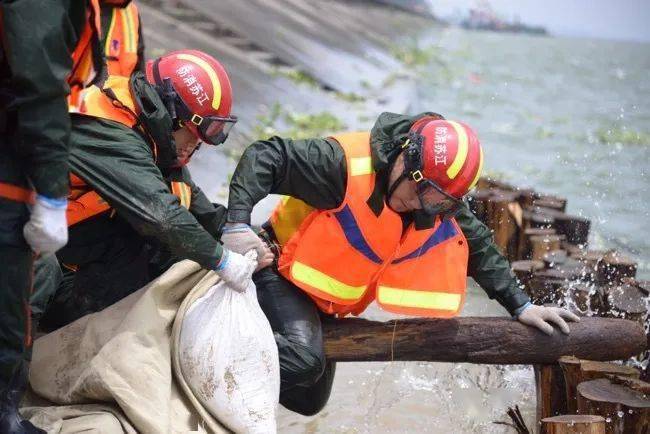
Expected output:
(83, 201)
(83, 71)
(121, 46)
(345, 258)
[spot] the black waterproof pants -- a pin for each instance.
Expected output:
(16, 261)
(305, 376)
(104, 261)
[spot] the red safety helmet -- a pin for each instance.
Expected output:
(196, 91)
(443, 156)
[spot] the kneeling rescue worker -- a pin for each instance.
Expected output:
(131, 194)
(370, 217)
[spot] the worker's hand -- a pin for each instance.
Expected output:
(237, 270)
(266, 259)
(240, 238)
(542, 318)
(47, 228)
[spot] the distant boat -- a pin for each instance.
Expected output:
(484, 18)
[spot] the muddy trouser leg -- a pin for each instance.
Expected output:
(305, 376)
(48, 278)
(16, 262)
(118, 269)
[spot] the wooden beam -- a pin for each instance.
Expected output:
(486, 340)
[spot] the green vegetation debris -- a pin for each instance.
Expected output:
(350, 97)
(297, 76)
(281, 122)
(622, 136)
(411, 54)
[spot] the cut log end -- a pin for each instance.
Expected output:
(574, 424)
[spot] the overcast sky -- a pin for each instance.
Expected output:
(609, 19)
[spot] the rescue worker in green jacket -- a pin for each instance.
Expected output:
(122, 47)
(47, 48)
(132, 196)
(365, 217)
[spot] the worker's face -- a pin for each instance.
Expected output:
(405, 197)
(186, 143)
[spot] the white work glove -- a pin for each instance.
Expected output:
(47, 228)
(542, 317)
(240, 238)
(237, 270)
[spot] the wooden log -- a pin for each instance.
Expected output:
(550, 388)
(641, 285)
(478, 202)
(539, 220)
(542, 244)
(584, 298)
(577, 371)
(576, 229)
(613, 267)
(593, 370)
(590, 258)
(501, 220)
(550, 201)
(574, 424)
(524, 270)
(486, 340)
(572, 249)
(487, 183)
(554, 258)
(547, 286)
(630, 382)
(625, 410)
(524, 250)
(626, 301)
(526, 197)
(571, 368)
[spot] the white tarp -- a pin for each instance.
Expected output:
(113, 371)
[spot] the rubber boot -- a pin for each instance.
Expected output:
(11, 422)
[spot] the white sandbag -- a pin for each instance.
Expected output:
(229, 359)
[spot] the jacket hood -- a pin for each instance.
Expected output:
(388, 134)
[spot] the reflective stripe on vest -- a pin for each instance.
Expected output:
(305, 274)
(85, 203)
(83, 72)
(16, 193)
(344, 258)
(121, 44)
(418, 299)
(183, 192)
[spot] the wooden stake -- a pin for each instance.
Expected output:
(625, 410)
(542, 244)
(613, 267)
(626, 301)
(577, 371)
(502, 222)
(525, 245)
(574, 424)
(550, 387)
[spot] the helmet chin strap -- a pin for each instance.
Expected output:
(391, 189)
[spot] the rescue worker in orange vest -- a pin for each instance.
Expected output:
(130, 137)
(38, 65)
(122, 44)
(122, 47)
(370, 217)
